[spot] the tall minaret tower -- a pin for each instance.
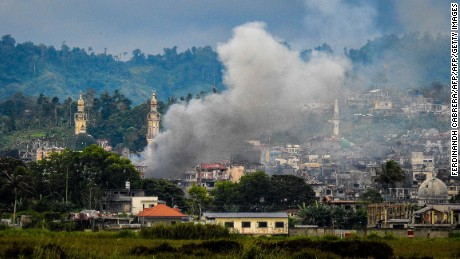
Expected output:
(336, 120)
(80, 117)
(153, 118)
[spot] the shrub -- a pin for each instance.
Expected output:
(343, 248)
(185, 231)
(18, 251)
(3, 226)
(373, 236)
(330, 237)
(313, 254)
(126, 233)
(253, 252)
(286, 245)
(452, 234)
(215, 246)
(357, 248)
(140, 250)
(51, 215)
(62, 226)
(49, 251)
(389, 236)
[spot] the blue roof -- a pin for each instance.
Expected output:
(246, 215)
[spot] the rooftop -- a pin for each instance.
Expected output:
(161, 211)
(246, 215)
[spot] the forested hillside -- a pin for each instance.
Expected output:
(34, 69)
(410, 61)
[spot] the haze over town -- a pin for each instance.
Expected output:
(265, 117)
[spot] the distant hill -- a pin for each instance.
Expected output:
(34, 69)
(407, 61)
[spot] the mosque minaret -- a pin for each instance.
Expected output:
(336, 120)
(80, 117)
(153, 119)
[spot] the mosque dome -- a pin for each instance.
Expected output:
(432, 190)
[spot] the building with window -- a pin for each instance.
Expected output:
(161, 214)
(251, 223)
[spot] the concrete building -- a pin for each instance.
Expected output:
(45, 152)
(126, 201)
(139, 204)
(250, 223)
(382, 214)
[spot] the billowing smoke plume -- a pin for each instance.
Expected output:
(267, 86)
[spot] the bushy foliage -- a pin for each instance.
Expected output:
(143, 250)
(343, 248)
(16, 250)
(258, 191)
(185, 231)
(62, 226)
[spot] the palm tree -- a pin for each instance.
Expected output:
(389, 173)
(18, 182)
(317, 214)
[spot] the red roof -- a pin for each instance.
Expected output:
(161, 211)
(215, 166)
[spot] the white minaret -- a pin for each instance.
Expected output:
(80, 117)
(153, 120)
(336, 120)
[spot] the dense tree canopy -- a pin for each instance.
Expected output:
(324, 215)
(165, 190)
(389, 173)
(63, 72)
(260, 192)
(371, 196)
(80, 177)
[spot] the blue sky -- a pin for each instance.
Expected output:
(151, 25)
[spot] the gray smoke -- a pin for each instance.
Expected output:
(267, 86)
(339, 23)
(424, 16)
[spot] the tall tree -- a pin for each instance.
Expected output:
(289, 191)
(224, 197)
(18, 182)
(254, 191)
(200, 199)
(165, 190)
(388, 174)
(317, 214)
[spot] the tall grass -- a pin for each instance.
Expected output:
(32, 243)
(185, 231)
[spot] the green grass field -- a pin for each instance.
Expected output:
(33, 243)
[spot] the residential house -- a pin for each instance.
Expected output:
(161, 214)
(251, 223)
